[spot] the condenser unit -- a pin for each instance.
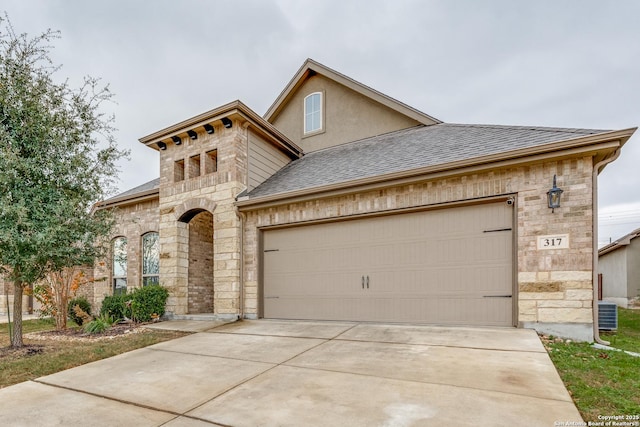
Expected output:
(607, 315)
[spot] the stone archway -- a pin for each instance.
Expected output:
(200, 289)
(200, 270)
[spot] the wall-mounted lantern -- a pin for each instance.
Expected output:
(192, 134)
(553, 196)
(176, 140)
(209, 129)
(162, 145)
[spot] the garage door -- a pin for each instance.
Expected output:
(446, 266)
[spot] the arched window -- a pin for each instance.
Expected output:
(119, 265)
(313, 112)
(150, 259)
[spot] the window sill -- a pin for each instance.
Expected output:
(314, 133)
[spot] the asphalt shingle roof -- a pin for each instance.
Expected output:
(408, 149)
(147, 186)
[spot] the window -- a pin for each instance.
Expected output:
(313, 112)
(119, 265)
(178, 171)
(150, 259)
(194, 166)
(211, 161)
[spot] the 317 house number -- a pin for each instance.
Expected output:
(556, 241)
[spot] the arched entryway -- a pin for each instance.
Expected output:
(200, 261)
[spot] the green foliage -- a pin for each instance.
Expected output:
(117, 306)
(99, 324)
(601, 381)
(628, 335)
(83, 313)
(141, 305)
(57, 158)
(149, 302)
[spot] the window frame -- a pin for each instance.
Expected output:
(319, 112)
(117, 279)
(148, 278)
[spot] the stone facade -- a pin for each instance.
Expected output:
(133, 221)
(202, 188)
(553, 286)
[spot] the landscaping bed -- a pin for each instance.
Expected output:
(47, 351)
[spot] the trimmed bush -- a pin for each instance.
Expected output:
(149, 302)
(115, 306)
(81, 313)
(141, 305)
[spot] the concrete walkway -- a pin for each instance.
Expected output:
(286, 373)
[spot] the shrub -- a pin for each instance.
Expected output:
(99, 324)
(116, 306)
(79, 310)
(149, 302)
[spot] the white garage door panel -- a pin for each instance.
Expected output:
(446, 266)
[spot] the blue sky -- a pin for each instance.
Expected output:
(544, 63)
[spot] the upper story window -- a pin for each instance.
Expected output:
(150, 259)
(313, 112)
(119, 265)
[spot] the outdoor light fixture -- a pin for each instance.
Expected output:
(162, 145)
(177, 140)
(553, 196)
(227, 122)
(209, 129)
(192, 134)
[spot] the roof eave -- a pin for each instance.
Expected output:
(127, 200)
(217, 114)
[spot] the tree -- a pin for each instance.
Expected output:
(57, 158)
(57, 289)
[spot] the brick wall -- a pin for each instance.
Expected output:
(200, 296)
(553, 286)
(132, 222)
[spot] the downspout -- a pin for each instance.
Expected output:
(596, 170)
(242, 217)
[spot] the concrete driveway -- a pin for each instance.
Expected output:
(293, 373)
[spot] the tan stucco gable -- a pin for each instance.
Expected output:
(350, 110)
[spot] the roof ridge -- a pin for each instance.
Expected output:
(530, 127)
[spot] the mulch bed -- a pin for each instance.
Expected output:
(78, 334)
(70, 334)
(19, 353)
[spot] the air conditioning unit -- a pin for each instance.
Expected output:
(607, 315)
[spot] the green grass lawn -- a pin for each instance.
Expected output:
(44, 357)
(603, 382)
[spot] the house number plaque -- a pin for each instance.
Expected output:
(555, 241)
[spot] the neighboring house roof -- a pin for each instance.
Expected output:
(311, 67)
(423, 149)
(621, 242)
(146, 190)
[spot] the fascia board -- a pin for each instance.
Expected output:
(127, 200)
